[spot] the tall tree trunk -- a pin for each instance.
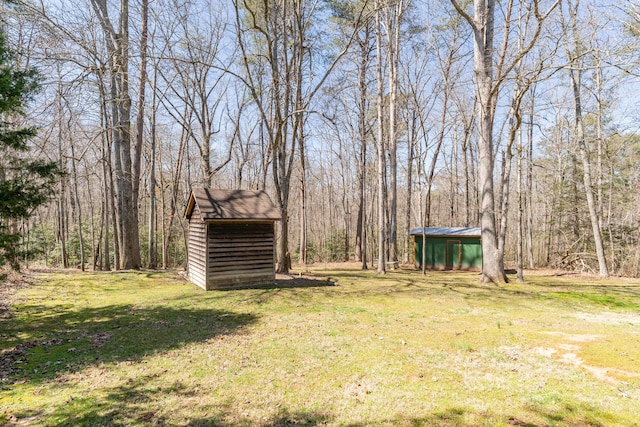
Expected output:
(519, 236)
(487, 87)
(381, 153)
(636, 259)
(411, 129)
(394, 14)
(482, 24)
(106, 262)
(131, 242)
(153, 252)
(303, 200)
(575, 75)
(118, 49)
(106, 174)
(76, 195)
(137, 152)
(529, 190)
(361, 229)
(466, 144)
(62, 210)
(114, 213)
(586, 171)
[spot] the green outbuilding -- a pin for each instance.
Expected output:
(449, 248)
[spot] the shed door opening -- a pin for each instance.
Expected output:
(454, 254)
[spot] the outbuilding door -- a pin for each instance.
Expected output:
(454, 254)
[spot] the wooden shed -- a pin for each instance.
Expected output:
(231, 238)
(449, 248)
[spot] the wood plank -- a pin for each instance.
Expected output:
(240, 247)
(240, 239)
(242, 258)
(248, 244)
(240, 263)
(231, 269)
(247, 256)
(198, 252)
(245, 243)
(243, 253)
(241, 228)
(228, 284)
(262, 245)
(197, 274)
(248, 275)
(248, 233)
(197, 278)
(218, 251)
(236, 272)
(233, 241)
(230, 232)
(197, 265)
(195, 262)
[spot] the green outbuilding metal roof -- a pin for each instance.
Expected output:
(447, 231)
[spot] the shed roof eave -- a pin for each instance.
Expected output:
(232, 205)
(239, 220)
(191, 203)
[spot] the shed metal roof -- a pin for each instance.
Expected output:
(447, 231)
(216, 204)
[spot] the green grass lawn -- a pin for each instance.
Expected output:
(349, 349)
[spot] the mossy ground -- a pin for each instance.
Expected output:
(342, 348)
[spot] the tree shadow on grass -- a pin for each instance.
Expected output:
(45, 341)
(413, 283)
(293, 286)
(137, 403)
(288, 281)
(285, 281)
(454, 416)
(126, 407)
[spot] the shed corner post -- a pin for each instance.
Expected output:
(273, 249)
(206, 256)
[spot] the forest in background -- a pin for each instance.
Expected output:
(361, 119)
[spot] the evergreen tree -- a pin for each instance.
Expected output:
(25, 183)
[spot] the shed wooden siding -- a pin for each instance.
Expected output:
(231, 238)
(240, 254)
(197, 259)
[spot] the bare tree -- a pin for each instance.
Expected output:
(487, 83)
(273, 41)
(117, 42)
(195, 81)
(575, 52)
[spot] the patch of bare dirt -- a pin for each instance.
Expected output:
(579, 338)
(100, 339)
(610, 318)
(567, 352)
(301, 281)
